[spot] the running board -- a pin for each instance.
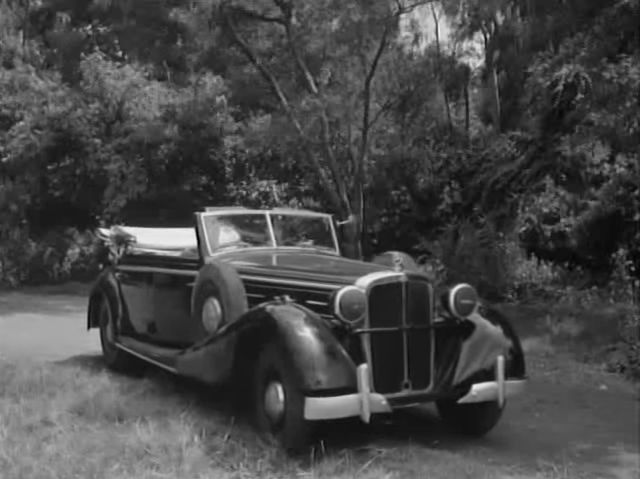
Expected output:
(164, 358)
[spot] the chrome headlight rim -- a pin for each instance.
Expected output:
(338, 298)
(451, 298)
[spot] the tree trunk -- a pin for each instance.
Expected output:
(495, 89)
(466, 110)
(445, 97)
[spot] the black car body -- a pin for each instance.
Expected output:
(263, 299)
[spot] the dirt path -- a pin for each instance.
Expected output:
(45, 324)
(573, 422)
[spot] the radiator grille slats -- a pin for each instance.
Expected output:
(400, 354)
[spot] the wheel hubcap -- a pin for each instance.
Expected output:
(211, 314)
(274, 401)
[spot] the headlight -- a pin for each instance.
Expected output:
(461, 300)
(350, 304)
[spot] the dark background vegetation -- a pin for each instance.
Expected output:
(520, 174)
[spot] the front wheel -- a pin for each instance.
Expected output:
(114, 357)
(473, 419)
(279, 401)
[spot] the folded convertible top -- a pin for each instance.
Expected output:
(154, 238)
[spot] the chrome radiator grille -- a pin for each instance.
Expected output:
(399, 316)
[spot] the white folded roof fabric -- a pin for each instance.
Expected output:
(157, 238)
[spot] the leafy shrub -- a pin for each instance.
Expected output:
(474, 253)
(58, 256)
(601, 322)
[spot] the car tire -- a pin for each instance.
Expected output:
(114, 357)
(280, 423)
(472, 419)
(218, 283)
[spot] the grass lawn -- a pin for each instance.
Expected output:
(74, 419)
(67, 420)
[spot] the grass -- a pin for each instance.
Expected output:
(75, 419)
(78, 420)
(595, 332)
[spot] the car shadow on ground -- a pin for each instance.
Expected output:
(92, 363)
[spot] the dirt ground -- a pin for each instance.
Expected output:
(573, 421)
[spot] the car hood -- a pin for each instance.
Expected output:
(302, 265)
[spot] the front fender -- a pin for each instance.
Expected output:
(105, 286)
(516, 366)
(319, 361)
(489, 334)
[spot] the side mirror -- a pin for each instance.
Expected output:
(348, 221)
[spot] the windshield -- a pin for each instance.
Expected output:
(303, 231)
(243, 230)
(237, 230)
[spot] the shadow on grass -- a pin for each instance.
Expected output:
(92, 363)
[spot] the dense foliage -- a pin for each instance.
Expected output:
(140, 112)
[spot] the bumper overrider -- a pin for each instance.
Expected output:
(364, 403)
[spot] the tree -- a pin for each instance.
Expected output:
(320, 61)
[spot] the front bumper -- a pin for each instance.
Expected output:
(364, 403)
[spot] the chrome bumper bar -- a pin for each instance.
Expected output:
(364, 403)
(498, 390)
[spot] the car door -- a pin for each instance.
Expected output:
(172, 289)
(137, 292)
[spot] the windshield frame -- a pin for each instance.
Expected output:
(272, 237)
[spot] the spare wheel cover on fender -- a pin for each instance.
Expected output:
(221, 281)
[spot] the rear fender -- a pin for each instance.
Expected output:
(106, 286)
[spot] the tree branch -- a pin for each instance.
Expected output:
(311, 86)
(253, 15)
(284, 102)
(385, 107)
(366, 111)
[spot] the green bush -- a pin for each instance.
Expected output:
(58, 256)
(601, 323)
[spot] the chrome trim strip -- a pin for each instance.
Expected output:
(406, 382)
(155, 269)
(277, 249)
(289, 282)
(272, 232)
(364, 391)
(379, 277)
(316, 303)
(262, 279)
(500, 379)
(147, 359)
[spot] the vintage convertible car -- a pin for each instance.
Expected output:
(264, 301)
